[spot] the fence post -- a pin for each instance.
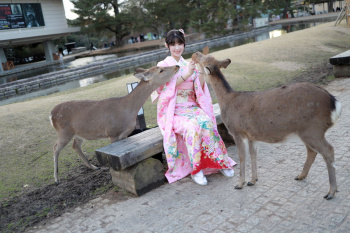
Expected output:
(140, 120)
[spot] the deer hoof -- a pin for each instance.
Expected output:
(250, 184)
(328, 197)
(57, 182)
(238, 187)
(299, 178)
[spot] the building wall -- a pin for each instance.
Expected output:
(54, 18)
(323, 7)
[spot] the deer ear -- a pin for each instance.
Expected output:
(142, 76)
(205, 50)
(194, 57)
(139, 75)
(224, 63)
(139, 70)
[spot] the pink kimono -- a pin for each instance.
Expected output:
(186, 119)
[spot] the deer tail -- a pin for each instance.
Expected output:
(336, 109)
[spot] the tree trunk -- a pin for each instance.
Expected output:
(118, 41)
(330, 6)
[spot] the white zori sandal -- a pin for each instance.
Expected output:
(227, 172)
(199, 178)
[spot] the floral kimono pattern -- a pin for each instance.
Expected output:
(186, 119)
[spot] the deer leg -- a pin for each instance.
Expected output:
(77, 147)
(123, 135)
(253, 154)
(326, 150)
(241, 147)
(61, 142)
(311, 155)
(113, 139)
(328, 156)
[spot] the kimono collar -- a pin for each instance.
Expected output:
(172, 61)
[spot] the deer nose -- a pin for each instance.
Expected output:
(177, 66)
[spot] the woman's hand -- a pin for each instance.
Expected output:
(191, 67)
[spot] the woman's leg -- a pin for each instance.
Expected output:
(204, 145)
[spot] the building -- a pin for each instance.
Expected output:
(25, 22)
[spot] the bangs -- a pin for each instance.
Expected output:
(176, 39)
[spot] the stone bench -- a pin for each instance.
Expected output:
(341, 64)
(136, 163)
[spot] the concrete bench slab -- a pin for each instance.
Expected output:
(341, 64)
(341, 59)
(129, 151)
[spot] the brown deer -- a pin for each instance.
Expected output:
(301, 109)
(113, 118)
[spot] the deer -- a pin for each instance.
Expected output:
(113, 118)
(302, 109)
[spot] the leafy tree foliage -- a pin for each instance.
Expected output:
(212, 17)
(97, 16)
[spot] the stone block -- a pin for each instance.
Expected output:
(10, 92)
(21, 89)
(32, 86)
(45, 84)
(341, 71)
(141, 177)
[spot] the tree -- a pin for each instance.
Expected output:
(99, 16)
(147, 14)
(248, 10)
(213, 17)
(160, 15)
(279, 6)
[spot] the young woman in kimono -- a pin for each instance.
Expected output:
(186, 119)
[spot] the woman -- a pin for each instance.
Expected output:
(186, 119)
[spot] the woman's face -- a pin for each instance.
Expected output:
(176, 50)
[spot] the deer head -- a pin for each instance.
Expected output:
(208, 62)
(156, 76)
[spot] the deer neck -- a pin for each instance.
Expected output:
(220, 85)
(139, 95)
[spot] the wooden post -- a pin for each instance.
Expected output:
(348, 12)
(344, 13)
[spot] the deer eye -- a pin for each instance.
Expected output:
(161, 71)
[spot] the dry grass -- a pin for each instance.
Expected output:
(26, 137)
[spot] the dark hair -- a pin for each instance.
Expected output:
(175, 36)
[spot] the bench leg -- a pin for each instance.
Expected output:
(341, 71)
(141, 177)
